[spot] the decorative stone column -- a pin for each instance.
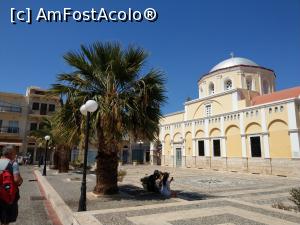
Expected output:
(265, 134)
(193, 139)
(243, 136)
(206, 141)
(223, 140)
(293, 130)
(153, 160)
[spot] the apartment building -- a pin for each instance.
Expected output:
(20, 114)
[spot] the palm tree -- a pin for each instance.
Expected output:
(67, 126)
(129, 100)
(39, 136)
(64, 129)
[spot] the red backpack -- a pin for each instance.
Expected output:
(8, 188)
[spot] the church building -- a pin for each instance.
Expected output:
(238, 123)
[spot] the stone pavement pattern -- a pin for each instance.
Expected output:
(31, 204)
(204, 197)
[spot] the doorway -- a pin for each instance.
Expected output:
(147, 156)
(255, 146)
(217, 148)
(125, 156)
(178, 157)
(201, 151)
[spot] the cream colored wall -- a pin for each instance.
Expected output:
(273, 115)
(200, 133)
(188, 144)
(172, 118)
(214, 125)
(177, 136)
(167, 144)
(233, 141)
(279, 139)
(218, 79)
(238, 76)
(231, 122)
(256, 74)
(188, 129)
(276, 122)
(254, 116)
(220, 104)
(253, 128)
(215, 132)
(298, 114)
(14, 100)
(18, 100)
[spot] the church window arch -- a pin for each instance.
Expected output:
(249, 84)
(211, 88)
(265, 87)
(227, 84)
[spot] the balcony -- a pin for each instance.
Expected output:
(9, 130)
(10, 109)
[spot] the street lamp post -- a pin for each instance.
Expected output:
(140, 142)
(86, 109)
(47, 138)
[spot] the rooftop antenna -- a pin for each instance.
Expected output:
(231, 54)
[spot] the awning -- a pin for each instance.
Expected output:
(11, 143)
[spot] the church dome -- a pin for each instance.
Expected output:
(234, 61)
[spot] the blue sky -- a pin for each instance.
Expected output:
(186, 41)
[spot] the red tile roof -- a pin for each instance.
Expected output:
(276, 96)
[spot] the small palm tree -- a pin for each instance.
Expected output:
(67, 127)
(39, 135)
(129, 100)
(64, 129)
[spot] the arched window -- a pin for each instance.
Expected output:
(265, 87)
(211, 88)
(227, 84)
(249, 84)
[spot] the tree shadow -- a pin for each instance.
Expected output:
(137, 193)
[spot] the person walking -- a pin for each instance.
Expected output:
(9, 212)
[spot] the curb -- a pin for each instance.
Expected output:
(50, 211)
(63, 212)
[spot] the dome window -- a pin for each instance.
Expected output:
(211, 88)
(249, 84)
(265, 87)
(228, 85)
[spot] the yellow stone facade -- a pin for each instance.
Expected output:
(225, 129)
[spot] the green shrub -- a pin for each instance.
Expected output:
(295, 197)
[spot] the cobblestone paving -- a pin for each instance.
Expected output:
(31, 206)
(203, 197)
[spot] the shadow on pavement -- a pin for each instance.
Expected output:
(137, 193)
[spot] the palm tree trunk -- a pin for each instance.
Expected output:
(55, 160)
(63, 159)
(107, 174)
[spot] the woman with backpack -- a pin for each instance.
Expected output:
(10, 180)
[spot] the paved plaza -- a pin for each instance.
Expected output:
(32, 204)
(203, 197)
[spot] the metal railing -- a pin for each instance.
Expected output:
(10, 109)
(9, 130)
